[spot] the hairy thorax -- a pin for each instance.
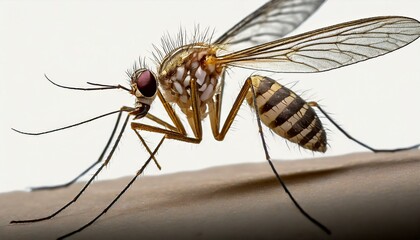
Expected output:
(179, 67)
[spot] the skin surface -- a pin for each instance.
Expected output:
(358, 196)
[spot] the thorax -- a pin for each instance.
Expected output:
(179, 67)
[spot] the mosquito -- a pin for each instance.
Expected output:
(190, 76)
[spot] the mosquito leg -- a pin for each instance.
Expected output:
(267, 156)
(314, 104)
(89, 168)
(215, 107)
(147, 148)
(195, 119)
(161, 122)
(119, 195)
(171, 113)
(164, 124)
(214, 112)
(86, 185)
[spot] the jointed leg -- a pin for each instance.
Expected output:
(164, 124)
(215, 110)
(314, 104)
(174, 117)
(161, 122)
(148, 149)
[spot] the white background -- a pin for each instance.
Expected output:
(78, 41)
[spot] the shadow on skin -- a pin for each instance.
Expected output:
(198, 194)
(250, 186)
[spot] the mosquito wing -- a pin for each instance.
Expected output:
(271, 21)
(328, 48)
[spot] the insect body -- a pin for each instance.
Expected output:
(192, 76)
(280, 109)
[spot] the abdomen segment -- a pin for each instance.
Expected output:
(287, 114)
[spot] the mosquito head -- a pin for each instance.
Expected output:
(144, 86)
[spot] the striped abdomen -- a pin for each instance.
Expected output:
(287, 114)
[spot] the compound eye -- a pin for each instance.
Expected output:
(146, 83)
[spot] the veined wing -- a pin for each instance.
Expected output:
(271, 21)
(328, 48)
